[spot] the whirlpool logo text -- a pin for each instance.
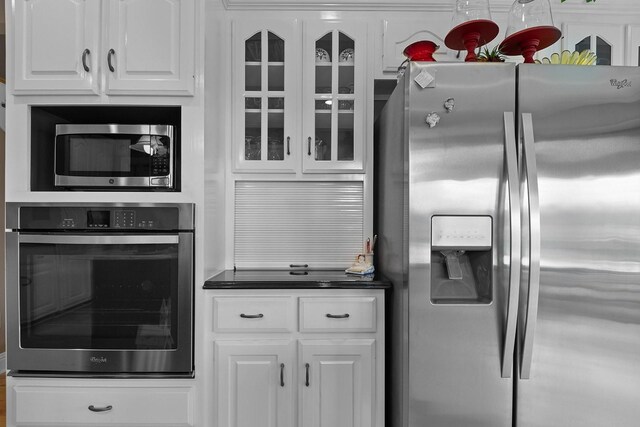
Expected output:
(619, 84)
(98, 359)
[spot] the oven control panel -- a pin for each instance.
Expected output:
(106, 218)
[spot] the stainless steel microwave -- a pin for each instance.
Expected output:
(114, 155)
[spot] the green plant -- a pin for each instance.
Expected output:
(493, 55)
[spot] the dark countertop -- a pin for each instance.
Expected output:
(284, 279)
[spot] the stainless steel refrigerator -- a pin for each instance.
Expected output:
(508, 220)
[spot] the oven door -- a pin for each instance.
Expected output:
(113, 155)
(92, 303)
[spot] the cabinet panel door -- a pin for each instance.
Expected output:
(337, 380)
(334, 59)
(266, 92)
(633, 45)
(54, 41)
(254, 383)
(606, 40)
(150, 47)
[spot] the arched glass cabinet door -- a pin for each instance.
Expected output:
(598, 45)
(263, 98)
(334, 100)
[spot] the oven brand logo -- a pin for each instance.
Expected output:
(619, 84)
(98, 359)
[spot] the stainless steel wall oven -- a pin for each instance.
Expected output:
(100, 288)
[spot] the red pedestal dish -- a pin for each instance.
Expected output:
(530, 40)
(470, 35)
(421, 50)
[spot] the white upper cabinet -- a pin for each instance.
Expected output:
(606, 40)
(633, 45)
(296, 110)
(334, 76)
(56, 46)
(266, 95)
(148, 48)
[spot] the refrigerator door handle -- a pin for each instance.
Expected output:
(534, 244)
(514, 231)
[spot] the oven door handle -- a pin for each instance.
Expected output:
(76, 239)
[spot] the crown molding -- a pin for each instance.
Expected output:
(568, 7)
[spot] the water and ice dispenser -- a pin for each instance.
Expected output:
(461, 259)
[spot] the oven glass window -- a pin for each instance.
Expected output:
(90, 296)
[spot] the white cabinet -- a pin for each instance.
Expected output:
(254, 383)
(266, 95)
(295, 111)
(93, 402)
(339, 381)
(56, 46)
(326, 367)
(148, 47)
(606, 40)
(633, 45)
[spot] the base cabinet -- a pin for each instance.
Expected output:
(254, 383)
(338, 383)
(52, 402)
(324, 366)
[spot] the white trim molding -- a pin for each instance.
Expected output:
(569, 6)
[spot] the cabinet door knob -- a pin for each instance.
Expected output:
(337, 316)
(288, 146)
(252, 316)
(100, 408)
(85, 53)
(109, 55)
(309, 144)
(306, 380)
(282, 375)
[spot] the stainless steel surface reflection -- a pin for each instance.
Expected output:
(448, 356)
(585, 368)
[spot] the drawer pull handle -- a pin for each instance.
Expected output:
(100, 409)
(306, 381)
(282, 375)
(85, 53)
(337, 316)
(298, 265)
(288, 148)
(299, 273)
(109, 56)
(252, 316)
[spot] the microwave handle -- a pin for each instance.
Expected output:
(76, 239)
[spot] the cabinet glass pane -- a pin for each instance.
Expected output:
(603, 52)
(323, 129)
(252, 128)
(276, 62)
(275, 141)
(345, 130)
(252, 58)
(345, 74)
(323, 63)
(583, 44)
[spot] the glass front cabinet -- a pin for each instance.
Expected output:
(298, 107)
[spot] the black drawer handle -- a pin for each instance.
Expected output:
(306, 378)
(100, 409)
(337, 316)
(252, 316)
(282, 375)
(298, 265)
(298, 273)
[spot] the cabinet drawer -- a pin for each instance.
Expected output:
(130, 406)
(249, 314)
(340, 314)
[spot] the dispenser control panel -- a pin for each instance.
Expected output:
(461, 232)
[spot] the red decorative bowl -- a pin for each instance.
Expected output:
(422, 50)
